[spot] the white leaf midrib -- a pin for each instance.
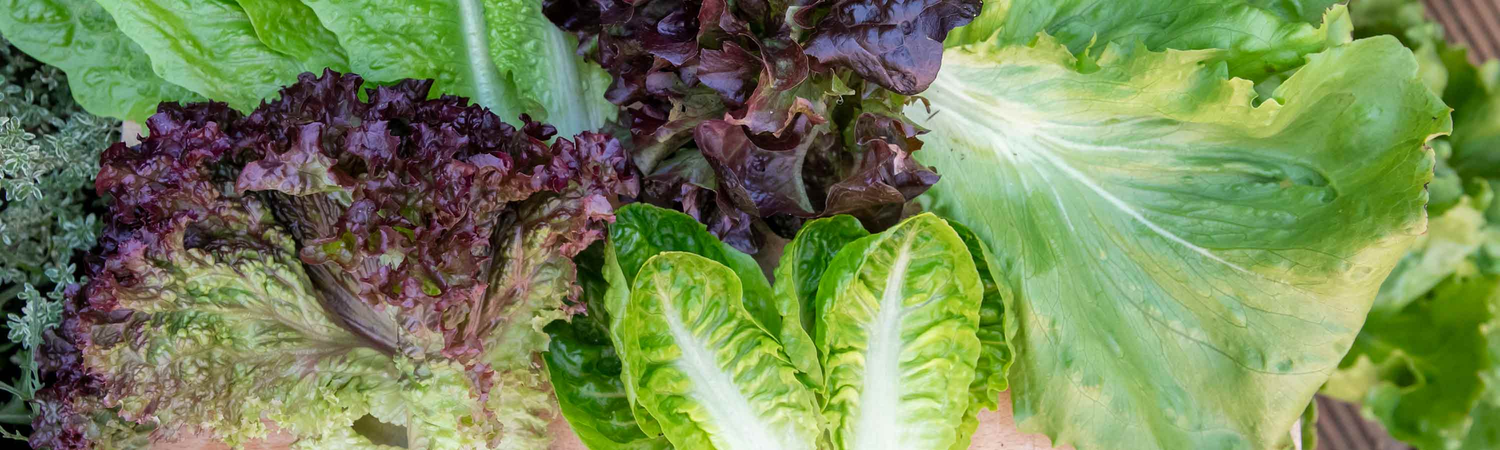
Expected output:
(713, 389)
(950, 87)
(879, 423)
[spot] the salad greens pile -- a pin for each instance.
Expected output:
(1427, 362)
(1179, 214)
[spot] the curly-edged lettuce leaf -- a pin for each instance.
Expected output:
(897, 319)
(329, 257)
(641, 231)
(1255, 43)
(108, 73)
(1153, 217)
(712, 376)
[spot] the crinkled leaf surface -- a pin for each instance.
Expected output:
(209, 47)
(1255, 42)
(805, 259)
(108, 73)
(897, 319)
(995, 353)
(642, 231)
(1153, 218)
(502, 54)
(713, 377)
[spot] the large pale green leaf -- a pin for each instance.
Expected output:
(898, 314)
(207, 46)
(711, 375)
(1255, 42)
(642, 231)
(107, 72)
(1189, 266)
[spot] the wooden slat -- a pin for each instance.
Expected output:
(1473, 22)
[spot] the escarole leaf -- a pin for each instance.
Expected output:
(1254, 42)
(713, 376)
(897, 317)
(643, 231)
(108, 73)
(1151, 217)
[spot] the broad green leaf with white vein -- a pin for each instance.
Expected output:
(711, 376)
(1153, 218)
(898, 314)
(496, 52)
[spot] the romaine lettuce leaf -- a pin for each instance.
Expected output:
(898, 314)
(1154, 218)
(712, 376)
(641, 231)
(108, 73)
(503, 54)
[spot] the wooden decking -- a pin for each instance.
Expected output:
(1475, 22)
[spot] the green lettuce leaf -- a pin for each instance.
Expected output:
(897, 320)
(708, 371)
(805, 259)
(1154, 218)
(586, 370)
(209, 47)
(108, 73)
(502, 54)
(1254, 42)
(995, 353)
(642, 231)
(1431, 380)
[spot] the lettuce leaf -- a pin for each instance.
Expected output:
(1154, 215)
(503, 54)
(109, 74)
(794, 106)
(328, 261)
